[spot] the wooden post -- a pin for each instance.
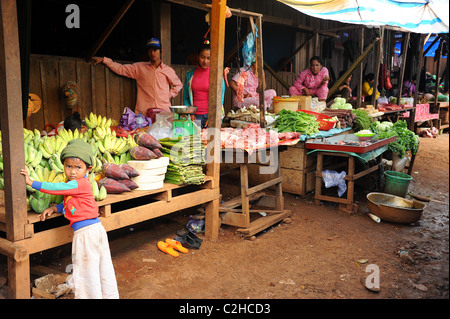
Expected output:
(12, 139)
(403, 66)
(166, 30)
(218, 11)
(377, 67)
(361, 70)
(419, 71)
(261, 75)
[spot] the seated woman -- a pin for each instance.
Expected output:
(312, 81)
(196, 86)
(245, 85)
(367, 87)
(344, 90)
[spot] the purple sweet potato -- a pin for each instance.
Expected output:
(112, 186)
(146, 140)
(158, 152)
(129, 183)
(142, 153)
(131, 171)
(112, 170)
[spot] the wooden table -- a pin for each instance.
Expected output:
(117, 211)
(346, 204)
(230, 212)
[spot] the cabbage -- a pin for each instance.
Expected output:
(339, 100)
(347, 106)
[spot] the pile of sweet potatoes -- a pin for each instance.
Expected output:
(148, 147)
(117, 178)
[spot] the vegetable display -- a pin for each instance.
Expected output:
(289, 121)
(406, 139)
(340, 103)
(362, 121)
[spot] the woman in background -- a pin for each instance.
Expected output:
(312, 81)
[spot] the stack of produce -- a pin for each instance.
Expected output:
(151, 172)
(289, 121)
(362, 121)
(117, 178)
(147, 147)
(345, 117)
(340, 103)
(406, 141)
(187, 158)
(42, 155)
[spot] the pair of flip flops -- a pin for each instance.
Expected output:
(186, 237)
(170, 246)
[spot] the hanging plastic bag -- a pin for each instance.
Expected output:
(249, 49)
(333, 178)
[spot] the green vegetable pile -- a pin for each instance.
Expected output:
(340, 103)
(187, 157)
(363, 120)
(406, 139)
(289, 121)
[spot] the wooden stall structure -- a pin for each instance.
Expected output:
(19, 225)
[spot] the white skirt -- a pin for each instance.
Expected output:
(93, 271)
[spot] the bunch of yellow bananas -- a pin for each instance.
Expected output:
(52, 144)
(43, 174)
(67, 135)
(94, 121)
(113, 145)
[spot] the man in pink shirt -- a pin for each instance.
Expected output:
(156, 82)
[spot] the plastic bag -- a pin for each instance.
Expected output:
(249, 49)
(163, 127)
(195, 225)
(128, 120)
(333, 178)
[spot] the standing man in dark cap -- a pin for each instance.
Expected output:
(156, 82)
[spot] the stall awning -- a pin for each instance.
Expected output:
(419, 16)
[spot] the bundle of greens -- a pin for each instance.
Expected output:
(187, 158)
(289, 121)
(406, 139)
(362, 121)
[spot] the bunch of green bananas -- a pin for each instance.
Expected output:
(94, 121)
(33, 157)
(52, 144)
(99, 193)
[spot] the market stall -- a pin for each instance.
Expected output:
(25, 233)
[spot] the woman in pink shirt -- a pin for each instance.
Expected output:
(196, 86)
(249, 96)
(313, 81)
(156, 82)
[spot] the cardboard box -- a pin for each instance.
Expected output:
(304, 102)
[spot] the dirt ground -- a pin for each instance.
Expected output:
(321, 254)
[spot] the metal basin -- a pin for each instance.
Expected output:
(395, 209)
(181, 109)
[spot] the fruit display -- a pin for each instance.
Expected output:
(42, 157)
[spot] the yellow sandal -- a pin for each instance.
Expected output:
(176, 245)
(164, 247)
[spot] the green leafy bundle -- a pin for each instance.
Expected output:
(406, 139)
(289, 121)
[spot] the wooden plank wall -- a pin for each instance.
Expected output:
(102, 91)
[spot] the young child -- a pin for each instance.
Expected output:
(93, 272)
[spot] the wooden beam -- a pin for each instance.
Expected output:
(361, 69)
(276, 76)
(218, 16)
(12, 139)
(403, 66)
(286, 61)
(261, 74)
(109, 29)
(419, 71)
(378, 58)
(351, 69)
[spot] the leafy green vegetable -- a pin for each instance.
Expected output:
(406, 139)
(289, 121)
(363, 120)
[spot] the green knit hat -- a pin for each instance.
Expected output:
(79, 149)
